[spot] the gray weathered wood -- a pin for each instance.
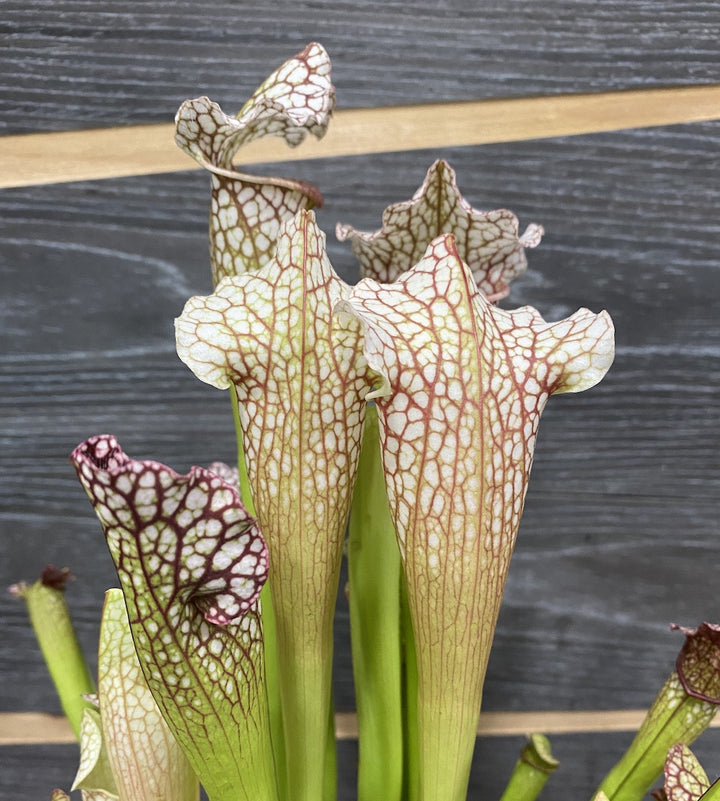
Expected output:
(584, 759)
(620, 531)
(81, 63)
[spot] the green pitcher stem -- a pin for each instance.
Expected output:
(305, 691)
(411, 744)
(375, 573)
(675, 717)
(302, 760)
(330, 785)
(273, 689)
(531, 771)
(268, 622)
(245, 492)
(50, 619)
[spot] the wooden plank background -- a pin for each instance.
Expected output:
(620, 530)
(78, 63)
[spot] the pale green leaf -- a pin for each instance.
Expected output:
(94, 773)
(146, 761)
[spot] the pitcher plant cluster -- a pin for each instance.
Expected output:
(394, 420)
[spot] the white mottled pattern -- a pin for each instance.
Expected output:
(487, 241)
(698, 664)
(685, 779)
(295, 99)
(191, 563)
(246, 210)
(300, 379)
(227, 473)
(463, 387)
(674, 717)
(146, 761)
(245, 218)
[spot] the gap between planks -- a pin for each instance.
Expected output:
(35, 728)
(48, 158)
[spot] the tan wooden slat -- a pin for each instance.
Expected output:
(28, 728)
(503, 724)
(33, 728)
(47, 158)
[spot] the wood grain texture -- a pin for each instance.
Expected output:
(80, 63)
(37, 728)
(620, 531)
(47, 158)
(584, 760)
